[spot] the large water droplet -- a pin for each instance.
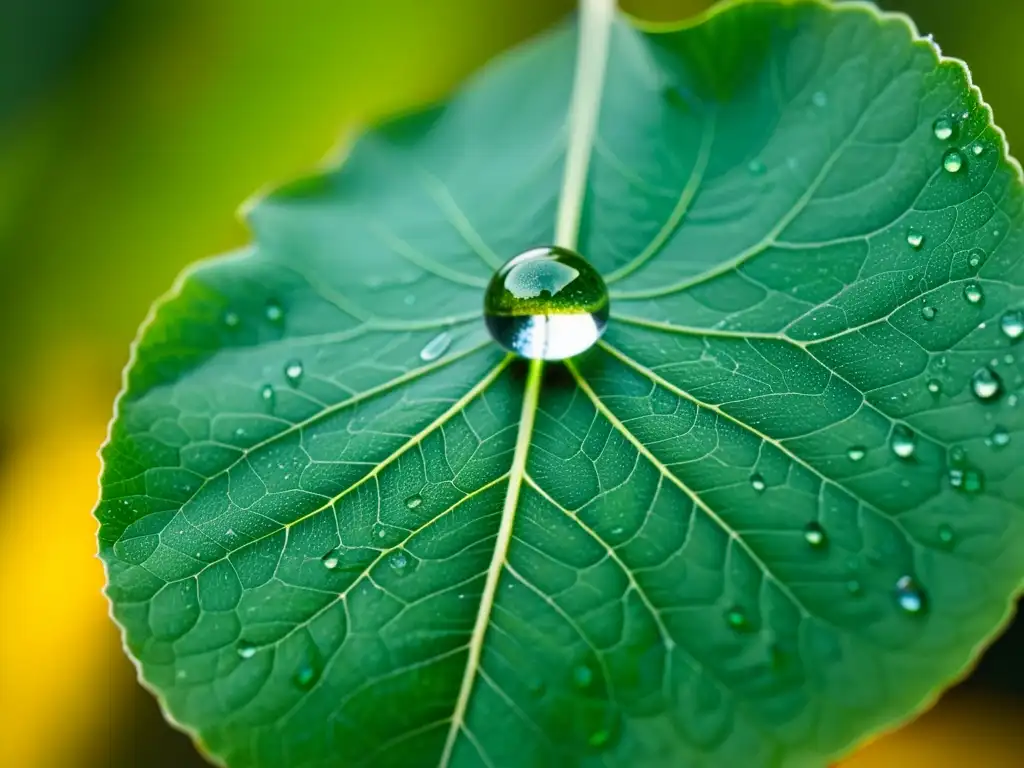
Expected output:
(903, 442)
(1012, 324)
(915, 239)
(1000, 438)
(814, 534)
(293, 371)
(909, 595)
(856, 453)
(330, 560)
(436, 347)
(413, 501)
(944, 128)
(546, 304)
(757, 482)
(246, 650)
(973, 293)
(952, 161)
(986, 384)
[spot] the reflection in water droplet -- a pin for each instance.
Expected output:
(944, 128)
(934, 386)
(986, 384)
(856, 453)
(246, 649)
(413, 501)
(398, 561)
(1012, 324)
(909, 596)
(582, 676)
(546, 304)
(1000, 438)
(903, 442)
(757, 482)
(815, 535)
(973, 294)
(293, 372)
(273, 312)
(946, 534)
(915, 239)
(736, 618)
(952, 161)
(231, 319)
(436, 347)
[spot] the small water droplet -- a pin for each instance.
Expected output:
(952, 161)
(853, 587)
(413, 501)
(582, 676)
(819, 99)
(944, 128)
(231, 319)
(737, 619)
(756, 167)
(903, 442)
(973, 294)
(380, 530)
(305, 676)
(928, 312)
(1012, 324)
(977, 149)
(814, 534)
(436, 347)
(273, 312)
(909, 596)
(934, 386)
(976, 259)
(246, 650)
(398, 561)
(293, 371)
(757, 482)
(945, 533)
(856, 453)
(986, 384)
(330, 560)
(267, 394)
(915, 239)
(1000, 438)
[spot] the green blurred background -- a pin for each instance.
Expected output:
(130, 132)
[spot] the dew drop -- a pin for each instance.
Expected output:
(267, 394)
(231, 319)
(973, 294)
(945, 534)
(815, 535)
(934, 386)
(436, 347)
(909, 596)
(986, 384)
(952, 161)
(546, 304)
(903, 442)
(330, 560)
(928, 312)
(582, 676)
(737, 619)
(854, 587)
(413, 501)
(757, 482)
(819, 99)
(756, 167)
(915, 239)
(398, 561)
(293, 372)
(273, 312)
(856, 453)
(246, 650)
(977, 149)
(1012, 324)
(976, 259)
(1000, 438)
(944, 128)
(305, 676)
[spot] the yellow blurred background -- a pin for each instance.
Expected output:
(130, 131)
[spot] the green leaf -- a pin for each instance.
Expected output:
(776, 509)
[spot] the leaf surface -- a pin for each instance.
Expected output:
(778, 507)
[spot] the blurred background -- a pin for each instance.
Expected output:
(130, 131)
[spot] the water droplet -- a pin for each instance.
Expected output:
(986, 384)
(231, 319)
(267, 394)
(928, 312)
(815, 535)
(330, 560)
(413, 501)
(305, 676)
(398, 561)
(293, 372)
(757, 482)
(946, 535)
(968, 480)
(436, 347)
(909, 596)
(273, 312)
(903, 442)
(736, 618)
(958, 455)
(977, 149)
(582, 676)
(1012, 324)
(546, 304)
(973, 294)
(915, 239)
(1000, 438)
(819, 99)
(934, 386)
(953, 161)
(944, 128)
(856, 453)
(379, 530)
(854, 587)
(756, 167)
(246, 650)
(976, 259)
